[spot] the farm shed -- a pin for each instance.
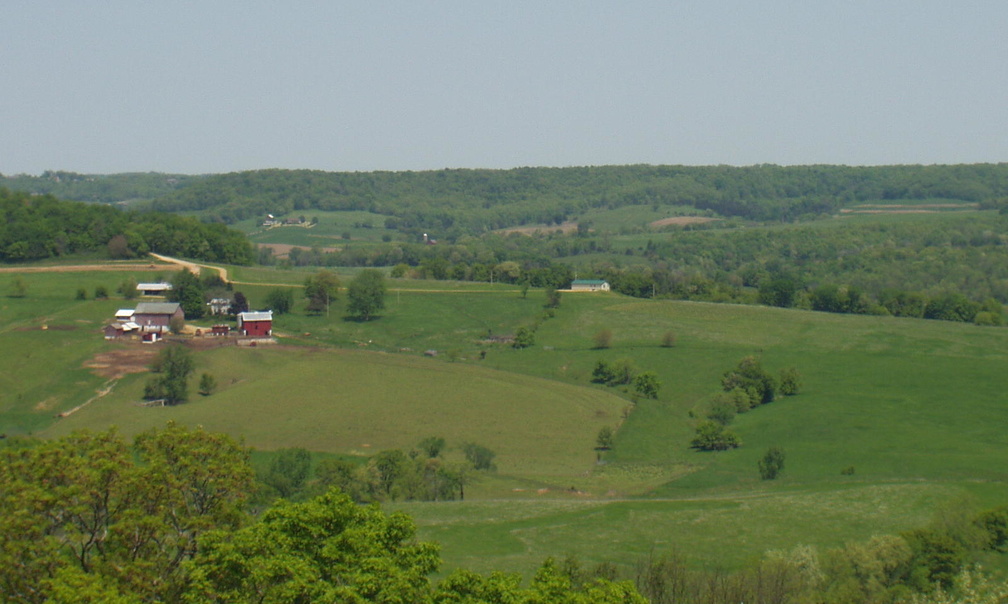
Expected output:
(589, 285)
(256, 323)
(153, 289)
(156, 316)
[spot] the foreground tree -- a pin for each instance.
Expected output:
(90, 516)
(328, 549)
(366, 294)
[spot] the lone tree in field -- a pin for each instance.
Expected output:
(647, 385)
(176, 365)
(366, 294)
(772, 463)
(603, 339)
(321, 290)
(712, 436)
(280, 300)
(207, 384)
(604, 440)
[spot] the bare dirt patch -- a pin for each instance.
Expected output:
(114, 364)
(681, 221)
(565, 227)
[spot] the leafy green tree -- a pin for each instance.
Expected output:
(524, 337)
(288, 471)
(602, 339)
(128, 288)
(602, 373)
(479, 456)
(712, 436)
(187, 290)
(239, 304)
(81, 294)
(771, 464)
(101, 293)
(18, 287)
(723, 408)
(87, 518)
(432, 446)
(604, 440)
(750, 376)
(366, 294)
(552, 297)
(280, 300)
(175, 365)
(207, 384)
(778, 292)
(668, 339)
(790, 381)
(328, 549)
(647, 385)
(320, 290)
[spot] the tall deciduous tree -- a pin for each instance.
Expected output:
(366, 294)
(187, 290)
(320, 290)
(175, 364)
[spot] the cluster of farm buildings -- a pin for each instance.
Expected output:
(150, 321)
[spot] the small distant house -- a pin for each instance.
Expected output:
(124, 315)
(219, 306)
(256, 323)
(589, 285)
(157, 316)
(153, 289)
(220, 330)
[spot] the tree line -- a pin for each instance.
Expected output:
(41, 226)
(462, 201)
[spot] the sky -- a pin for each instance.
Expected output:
(221, 86)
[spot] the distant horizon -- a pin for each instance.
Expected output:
(506, 169)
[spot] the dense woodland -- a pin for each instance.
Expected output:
(459, 202)
(41, 226)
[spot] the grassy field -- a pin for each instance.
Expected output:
(915, 407)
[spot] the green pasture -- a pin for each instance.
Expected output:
(914, 407)
(724, 533)
(46, 338)
(328, 232)
(361, 403)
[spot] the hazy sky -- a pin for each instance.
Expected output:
(219, 86)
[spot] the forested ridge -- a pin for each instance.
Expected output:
(466, 201)
(41, 226)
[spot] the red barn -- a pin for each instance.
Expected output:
(256, 323)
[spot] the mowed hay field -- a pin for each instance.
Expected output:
(360, 403)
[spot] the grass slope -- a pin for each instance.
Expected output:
(360, 403)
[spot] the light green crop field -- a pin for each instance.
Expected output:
(916, 408)
(328, 232)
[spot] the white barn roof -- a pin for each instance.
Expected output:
(256, 315)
